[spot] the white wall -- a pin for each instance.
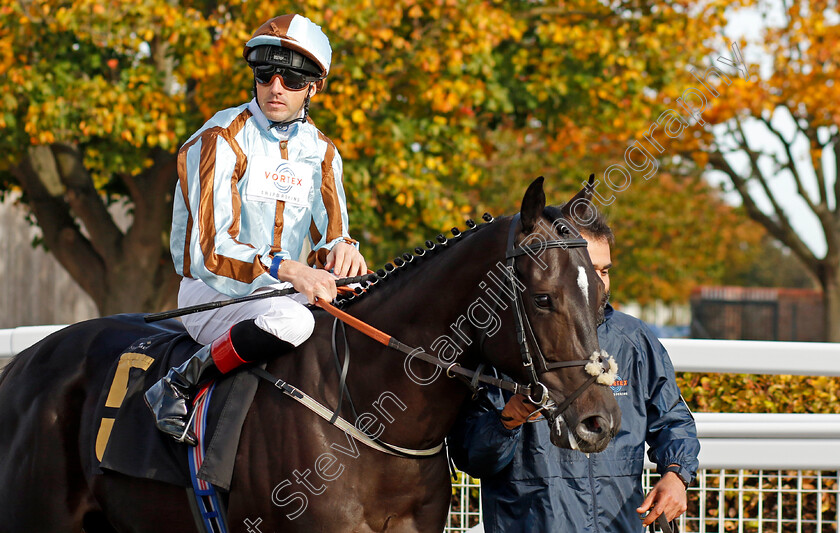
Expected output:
(35, 288)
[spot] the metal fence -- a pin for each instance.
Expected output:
(760, 473)
(743, 501)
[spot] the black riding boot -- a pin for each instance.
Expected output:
(170, 398)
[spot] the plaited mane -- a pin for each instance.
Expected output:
(412, 260)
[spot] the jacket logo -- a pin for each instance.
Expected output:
(618, 386)
(284, 178)
(272, 179)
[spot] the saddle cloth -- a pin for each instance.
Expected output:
(127, 440)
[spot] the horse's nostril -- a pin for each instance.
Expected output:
(594, 425)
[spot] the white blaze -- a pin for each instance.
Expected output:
(583, 283)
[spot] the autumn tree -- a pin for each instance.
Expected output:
(775, 122)
(442, 109)
(94, 106)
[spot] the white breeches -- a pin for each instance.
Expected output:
(285, 317)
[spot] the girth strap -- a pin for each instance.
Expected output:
(342, 368)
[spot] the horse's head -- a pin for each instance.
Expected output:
(557, 307)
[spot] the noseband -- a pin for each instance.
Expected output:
(525, 332)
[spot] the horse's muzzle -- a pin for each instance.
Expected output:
(590, 434)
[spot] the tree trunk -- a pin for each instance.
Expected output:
(139, 282)
(122, 271)
(830, 280)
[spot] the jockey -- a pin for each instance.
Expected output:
(253, 183)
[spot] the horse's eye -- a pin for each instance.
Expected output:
(542, 300)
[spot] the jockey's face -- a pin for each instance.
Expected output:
(280, 104)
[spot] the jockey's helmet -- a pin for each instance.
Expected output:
(294, 42)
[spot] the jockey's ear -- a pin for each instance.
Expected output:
(533, 204)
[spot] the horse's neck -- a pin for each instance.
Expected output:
(426, 301)
(425, 309)
(440, 289)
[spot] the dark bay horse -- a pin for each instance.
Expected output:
(294, 471)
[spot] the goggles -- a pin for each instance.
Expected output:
(292, 80)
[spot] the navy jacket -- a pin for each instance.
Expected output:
(530, 485)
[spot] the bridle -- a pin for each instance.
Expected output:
(525, 332)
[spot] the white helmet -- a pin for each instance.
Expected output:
(295, 33)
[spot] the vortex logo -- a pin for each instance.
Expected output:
(285, 178)
(618, 385)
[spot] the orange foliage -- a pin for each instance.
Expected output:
(442, 109)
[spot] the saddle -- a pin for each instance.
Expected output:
(127, 440)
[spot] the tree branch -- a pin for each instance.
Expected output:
(790, 165)
(560, 11)
(814, 141)
(758, 175)
(557, 12)
(836, 147)
(86, 202)
(828, 220)
(781, 231)
(60, 231)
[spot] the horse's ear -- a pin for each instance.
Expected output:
(533, 204)
(585, 195)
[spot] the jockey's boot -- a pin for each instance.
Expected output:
(170, 398)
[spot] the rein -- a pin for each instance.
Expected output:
(452, 369)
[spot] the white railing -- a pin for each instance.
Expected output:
(759, 472)
(746, 501)
(688, 355)
(754, 357)
(13, 341)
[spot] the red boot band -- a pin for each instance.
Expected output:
(224, 354)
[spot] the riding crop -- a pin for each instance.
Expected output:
(163, 315)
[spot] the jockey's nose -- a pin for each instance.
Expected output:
(276, 84)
